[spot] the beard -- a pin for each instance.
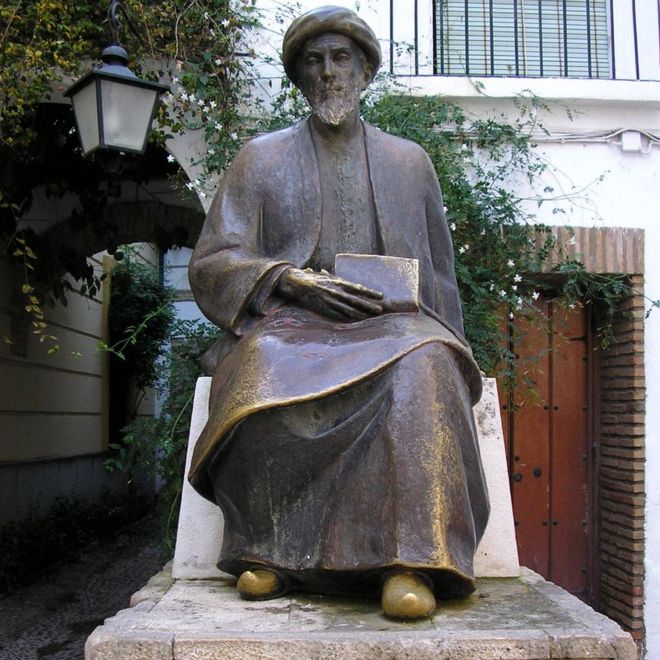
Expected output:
(333, 105)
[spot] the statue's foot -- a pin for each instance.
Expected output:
(407, 595)
(261, 584)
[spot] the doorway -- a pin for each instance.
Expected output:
(548, 419)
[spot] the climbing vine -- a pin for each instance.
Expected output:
(196, 46)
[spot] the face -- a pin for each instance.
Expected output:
(332, 74)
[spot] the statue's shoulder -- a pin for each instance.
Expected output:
(262, 153)
(397, 146)
(276, 139)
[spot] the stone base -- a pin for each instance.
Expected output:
(523, 617)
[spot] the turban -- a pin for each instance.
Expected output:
(328, 19)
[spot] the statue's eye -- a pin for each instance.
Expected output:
(342, 57)
(312, 59)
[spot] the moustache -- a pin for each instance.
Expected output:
(324, 89)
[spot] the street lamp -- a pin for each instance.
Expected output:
(113, 107)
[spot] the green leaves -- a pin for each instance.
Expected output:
(500, 248)
(141, 316)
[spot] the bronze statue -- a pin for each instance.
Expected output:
(340, 443)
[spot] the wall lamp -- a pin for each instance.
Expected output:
(114, 109)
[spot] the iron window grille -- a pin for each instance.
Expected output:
(524, 38)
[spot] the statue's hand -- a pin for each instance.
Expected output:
(328, 295)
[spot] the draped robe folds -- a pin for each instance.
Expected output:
(337, 451)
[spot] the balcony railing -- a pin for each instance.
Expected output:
(607, 39)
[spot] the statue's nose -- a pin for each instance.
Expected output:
(328, 68)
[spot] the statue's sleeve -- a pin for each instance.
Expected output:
(447, 299)
(227, 272)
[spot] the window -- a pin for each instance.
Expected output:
(548, 38)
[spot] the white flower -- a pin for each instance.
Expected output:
(175, 80)
(571, 306)
(202, 194)
(452, 226)
(511, 315)
(466, 159)
(492, 286)
(192, 98)
(211, 152)
(72, 130)
(218, 126)
(517, 278)
(535, 295)
(572, 240)
(510, 263)
(461, 249)
(502, 293)
(444, 208)
(483, 232)
(464, 147)
(519, 302)
(224, 22)
(184, 96)
(234, 136)
(514, 287)
(170, 158)
(212, 104)
(218, 62)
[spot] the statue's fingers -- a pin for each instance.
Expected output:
(344, 311)
(357, 302)
(354, 287)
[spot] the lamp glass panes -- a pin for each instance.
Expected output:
(113, 108)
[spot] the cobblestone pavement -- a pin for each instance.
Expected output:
(53, 617)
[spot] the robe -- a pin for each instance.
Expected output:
(337, 451)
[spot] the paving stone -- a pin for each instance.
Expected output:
(53, 617)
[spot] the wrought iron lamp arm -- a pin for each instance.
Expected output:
(115, 24)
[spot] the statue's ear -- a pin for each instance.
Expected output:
(368, 72)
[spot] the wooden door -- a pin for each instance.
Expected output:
(547, 424)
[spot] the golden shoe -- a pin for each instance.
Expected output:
(261, 584)
(407, 595)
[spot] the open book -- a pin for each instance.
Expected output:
(396, 277)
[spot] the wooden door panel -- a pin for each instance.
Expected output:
(569, 545)
(530, 447)
(547, 432)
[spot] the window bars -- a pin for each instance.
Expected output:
(524, 38)
(546, 38)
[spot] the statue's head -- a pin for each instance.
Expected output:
(332, 55)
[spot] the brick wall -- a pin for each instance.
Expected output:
(621, 468)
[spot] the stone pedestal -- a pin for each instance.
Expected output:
(524, 617)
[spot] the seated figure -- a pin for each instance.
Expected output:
(340, 443)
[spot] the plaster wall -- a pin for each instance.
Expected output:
(52, 404)
(54, 407)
